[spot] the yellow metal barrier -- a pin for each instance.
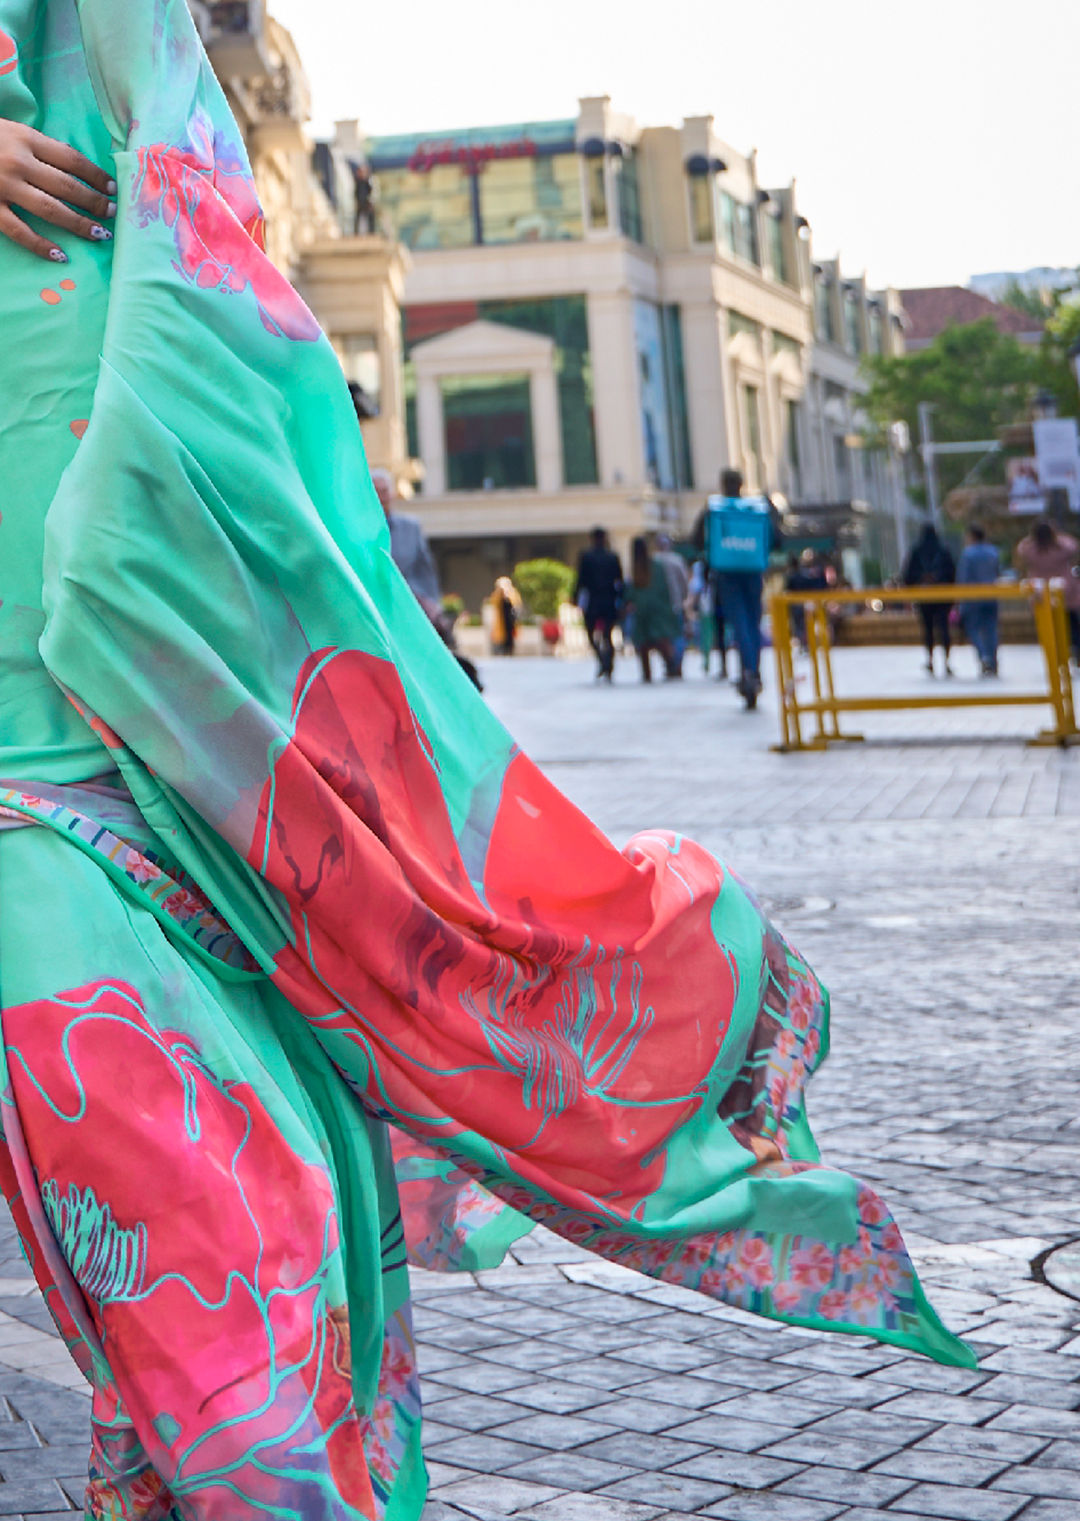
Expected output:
(1047, 602)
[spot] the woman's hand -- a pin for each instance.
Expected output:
(48, 178)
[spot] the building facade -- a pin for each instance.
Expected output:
(354, 283)
(597, 319)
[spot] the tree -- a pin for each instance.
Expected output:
(978, 380)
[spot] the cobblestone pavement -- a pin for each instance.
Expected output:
(932, 877)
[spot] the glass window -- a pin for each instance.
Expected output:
(675, 371)
(782, 344)
(597, 189)
(823, 311)
(531, 200)
(359, 356)
(488, 423)
(875, 329)
(746, 238)
(842, 463)
(737, 324)
(564, 318)
(430, 210)
(727, 222)
(852, 336)
(752, 437)
(777, 248)
(629, 196)
(792, 450)
(702, 225)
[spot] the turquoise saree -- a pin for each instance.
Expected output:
(275, 886)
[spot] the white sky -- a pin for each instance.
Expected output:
(930, 139)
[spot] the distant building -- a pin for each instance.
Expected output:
(1041, 282)
(931, 310)
(598, 318)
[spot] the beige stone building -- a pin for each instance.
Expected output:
(598, 318)
(566, 323)
(353, 284)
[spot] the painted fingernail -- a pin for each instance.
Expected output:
(110, 210)
(110, 188)
(100, 234)
(58, 256)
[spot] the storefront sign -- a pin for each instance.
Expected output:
(471, 156)
(1057, 449)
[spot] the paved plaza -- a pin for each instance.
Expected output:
(932, 876)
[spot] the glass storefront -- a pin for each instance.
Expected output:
(431, 209)
(562, 318)
(489, 440)
(531, 200)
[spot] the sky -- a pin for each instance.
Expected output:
(930, 140)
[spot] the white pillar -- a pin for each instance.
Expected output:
(619, 444)
(547, 433)
(432, 435)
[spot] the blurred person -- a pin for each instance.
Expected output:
(411, 553)
(364, 193)
(739, 593)
(931, 564)
(599, 594)
(409, 548)
(805, 572)
(678, 581)
(980, 565)
(1047, 554)
(506, 604)
(647, 596)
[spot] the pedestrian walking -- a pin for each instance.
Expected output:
(506, 606)
(678, 582)
(599, 595)
(740, 573)
(273, 880)
(980, 565)
(649, 599)
(931, 564)
(1047, 554)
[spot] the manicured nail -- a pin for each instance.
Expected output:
(110, 210)
(58, 256)
(110, 188)
(100, 234)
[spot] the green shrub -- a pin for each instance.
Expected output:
(544, 586)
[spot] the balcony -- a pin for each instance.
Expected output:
(279, 103)
(236, 41)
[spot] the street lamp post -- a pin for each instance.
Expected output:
(926, 438)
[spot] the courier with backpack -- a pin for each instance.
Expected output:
(738, 541)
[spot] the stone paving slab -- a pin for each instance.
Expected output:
(935, 886)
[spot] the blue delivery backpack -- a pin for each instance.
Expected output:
(739, 533)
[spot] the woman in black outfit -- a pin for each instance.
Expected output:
(931, 564)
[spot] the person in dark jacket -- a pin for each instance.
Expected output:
(931, 564)
(599, 593)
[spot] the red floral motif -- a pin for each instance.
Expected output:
(786, 1298)
(813, 1266)
(431, 975)
(833, 1305)
(872, 1210)
(205, 195)
(755, 1261)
